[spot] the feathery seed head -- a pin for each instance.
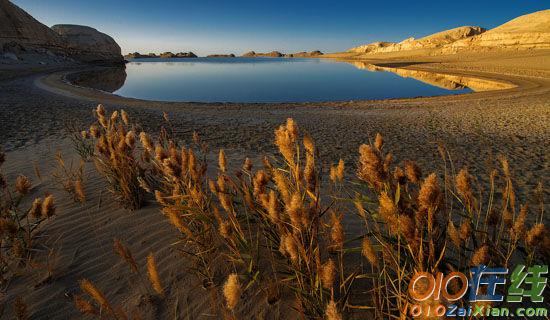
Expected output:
(84, 306)
(378, 142)
(413, 172)
(328, 271)
(22, 184)
(332, 311)
(369, 252)
(124, 117)
(454, 234)
(36, 208)
(480, 256)
(48, 207)
(428, 196)
(130, 139)
(222, 161)
(153, 274)
(536, 235)
(232, 291)
(308, 144)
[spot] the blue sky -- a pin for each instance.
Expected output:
(208, 26)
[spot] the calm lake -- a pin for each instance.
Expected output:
(273, 80)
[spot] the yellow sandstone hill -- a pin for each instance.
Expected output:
(530, 31)
(436, 40)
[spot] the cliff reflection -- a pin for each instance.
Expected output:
(105, 79)
(445, 81)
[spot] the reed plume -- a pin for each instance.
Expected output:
(84, 306)
(369, 252)
(328, 271)
(22, 185)
(232, 291)
(153, 274)
(480, 256)
(96, 294)
(125, 254)
(535, 236)
(48, 207)
(413, 172)
(332, 312)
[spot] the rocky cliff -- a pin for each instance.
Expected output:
(24, 38)
(531, 31)
(87, 44)
(436, 40)
(19, 30)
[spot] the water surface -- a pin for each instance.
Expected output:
(267, 80)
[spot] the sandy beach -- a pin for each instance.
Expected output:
(474, 127)
(35, 108)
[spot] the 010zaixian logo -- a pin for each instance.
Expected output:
(438, 295)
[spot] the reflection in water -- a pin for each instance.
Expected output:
(271, 80)
(445, 81)
(108, 79)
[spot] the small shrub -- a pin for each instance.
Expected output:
(116, 157)
(18, 225)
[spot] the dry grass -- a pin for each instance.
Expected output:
(116, 158)
(276, 231)
(18, 226)
(70, 178)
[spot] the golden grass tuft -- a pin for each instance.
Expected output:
(84, 306)
(98, 296)
(480, 256)
(22, 185)
(328, 272)
(153, 274)
(332, 311)
(232, 291)
(125, 254)
(368, 252)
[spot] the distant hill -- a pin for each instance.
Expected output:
(530, 31)
(436, 40)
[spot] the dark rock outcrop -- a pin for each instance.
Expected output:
(277, 54)
(186, 55)
(272, 54)
(221, 56)
(19, 30)
(167, 55)
(249, 54)
(23, 36)
(89, 45)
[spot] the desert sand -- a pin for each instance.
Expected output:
(474, 127)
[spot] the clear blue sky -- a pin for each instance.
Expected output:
(208, 26)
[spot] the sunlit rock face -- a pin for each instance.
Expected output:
(89, 45)
(530, 31)
(436, 40)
